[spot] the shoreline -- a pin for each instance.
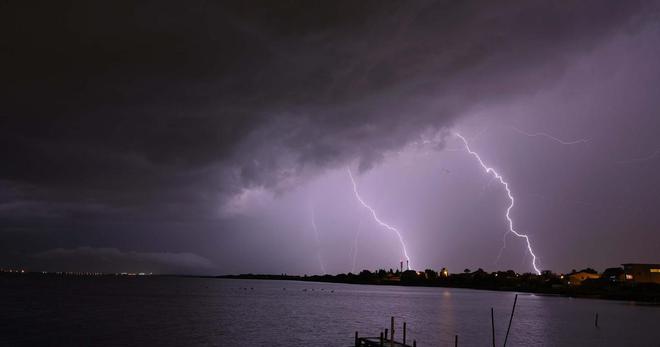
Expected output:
(641, 293)
(649, 295)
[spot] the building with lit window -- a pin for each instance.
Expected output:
(642, 273)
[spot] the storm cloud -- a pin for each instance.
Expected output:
(111, 259)
(156, 123)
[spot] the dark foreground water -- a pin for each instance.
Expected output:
(158, 311)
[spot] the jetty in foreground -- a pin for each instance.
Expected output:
(386, 338)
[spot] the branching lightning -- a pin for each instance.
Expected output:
(509, 194)
(378, 220)
(549, 137)
(640, 159)
(318, 240)
(499, 254)
(355, 246)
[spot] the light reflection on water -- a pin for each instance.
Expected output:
(214, 312)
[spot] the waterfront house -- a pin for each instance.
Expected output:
(576, 278)
(642, 273)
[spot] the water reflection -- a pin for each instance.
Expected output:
(190, 311)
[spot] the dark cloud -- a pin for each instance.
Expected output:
(138, 91)
(164, 110)
(112, 260)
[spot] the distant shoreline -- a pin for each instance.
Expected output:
(647, 293)
(643, 293)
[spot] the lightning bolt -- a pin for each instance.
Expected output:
(318, 240)
(355, 246)
(378, 220)
(646, 158)
(499, 254)
(499, 177)
(549, 137)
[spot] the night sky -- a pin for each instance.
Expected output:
(206, 137)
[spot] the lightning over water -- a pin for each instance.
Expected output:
(499, 254)
(378, 220)
(355, 246)
(505, 184)
(318, 241)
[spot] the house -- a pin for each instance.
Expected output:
(576, 278)
(642, 273)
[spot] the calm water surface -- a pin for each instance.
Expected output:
(160, 311)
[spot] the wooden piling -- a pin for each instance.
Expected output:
(387, 333)
(392, 331)
(357, 340)
(381, 339)
(596, 321)
(492, 324)
(414, 343)
(404, 333)
(506, 338)
(455, 340)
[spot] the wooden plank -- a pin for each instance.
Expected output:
(375, 341)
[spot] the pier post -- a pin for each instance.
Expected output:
(515, 300)
(387, 333)
(404, 333)
(392, 331)
(414, 343)
(357, 340)
(455, 340)
(381, 339)
(596, 321)
(492, 324)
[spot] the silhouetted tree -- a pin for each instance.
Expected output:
(409, 276)
(613, 273)
(430, 274)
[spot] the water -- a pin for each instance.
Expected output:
(161, 311)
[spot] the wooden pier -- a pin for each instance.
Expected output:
(386, 339)
(375, 342)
